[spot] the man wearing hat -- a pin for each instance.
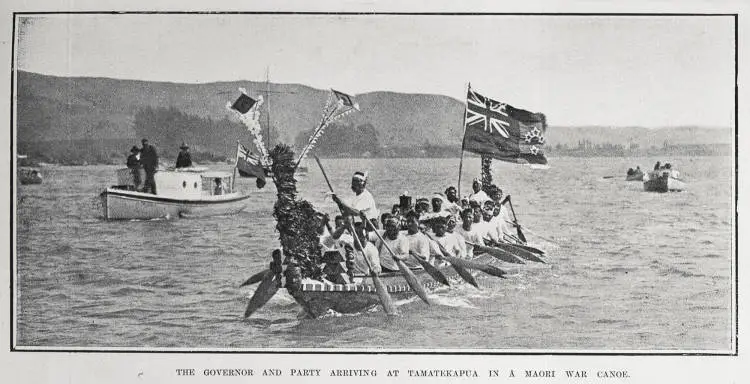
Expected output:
(183, 158)
(134, 164)
(362, 202)
(150, 161)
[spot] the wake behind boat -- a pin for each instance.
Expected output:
(184, 192)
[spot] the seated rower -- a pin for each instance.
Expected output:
(451, 244)
(468, 232)
(419, 244)
(484, 227)
(364, 248)
(479, 195)
(394, 240)
(450, 230)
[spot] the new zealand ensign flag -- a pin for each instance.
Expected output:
(503, 132)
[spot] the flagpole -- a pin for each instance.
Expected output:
(236, 161)
(463, 143)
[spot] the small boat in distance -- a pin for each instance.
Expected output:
(183, 192)
(663, 180)
(634, 174)
(29, 176)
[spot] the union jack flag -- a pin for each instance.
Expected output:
(502, 132)
(486, 114)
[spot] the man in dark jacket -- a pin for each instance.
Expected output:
(150, 161)
(183, 158)
(134, 164)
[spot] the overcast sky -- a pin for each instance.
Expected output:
(578, 70)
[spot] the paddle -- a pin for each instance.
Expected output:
(380, 289)
(256, 278)
(463, 264)
(267, 288)
(496, 253)
(431, 270)
(608, 177)
(528, 248)
(522, 253)
(385, 298)
(515, 220)
(408, 274)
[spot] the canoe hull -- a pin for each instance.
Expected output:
(130, 205)
(318, 298)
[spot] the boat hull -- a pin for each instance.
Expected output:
(318, 298)
(29, 176)
(634, 177)
(132, 205)
(663, 183)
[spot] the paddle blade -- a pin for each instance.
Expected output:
(520, 234)
(530, 249)
(459, 267)
(497, 253)
(412, 281)
(486, 268)
(256, 278)
(520, 252)
(433, 271)
(385, 298)
(265, 291)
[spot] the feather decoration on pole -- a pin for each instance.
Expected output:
(338, 105)
(248, 111)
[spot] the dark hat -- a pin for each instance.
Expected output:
(184, 146)
(143, 140)
(134, 149)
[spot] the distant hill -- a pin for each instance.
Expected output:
(98, 110)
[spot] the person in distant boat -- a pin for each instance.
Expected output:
(657, 166)
(361, 202)
(219, 188)
(150, 161)
(479, 195)
(183, 158)
(630, 171)
(134, 164)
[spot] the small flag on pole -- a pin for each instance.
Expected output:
(243, 104)
(248, 164)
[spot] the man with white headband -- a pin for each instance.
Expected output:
(362, 202)
(479, 195)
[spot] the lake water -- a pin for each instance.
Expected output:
(628, 270)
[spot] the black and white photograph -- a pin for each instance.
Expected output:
(441, 184)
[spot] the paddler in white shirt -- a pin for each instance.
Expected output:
(419, 244)
(468, 232)
(397, 242)
(361, 202)
(451, 244)
(479, 195)
(360, 265)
